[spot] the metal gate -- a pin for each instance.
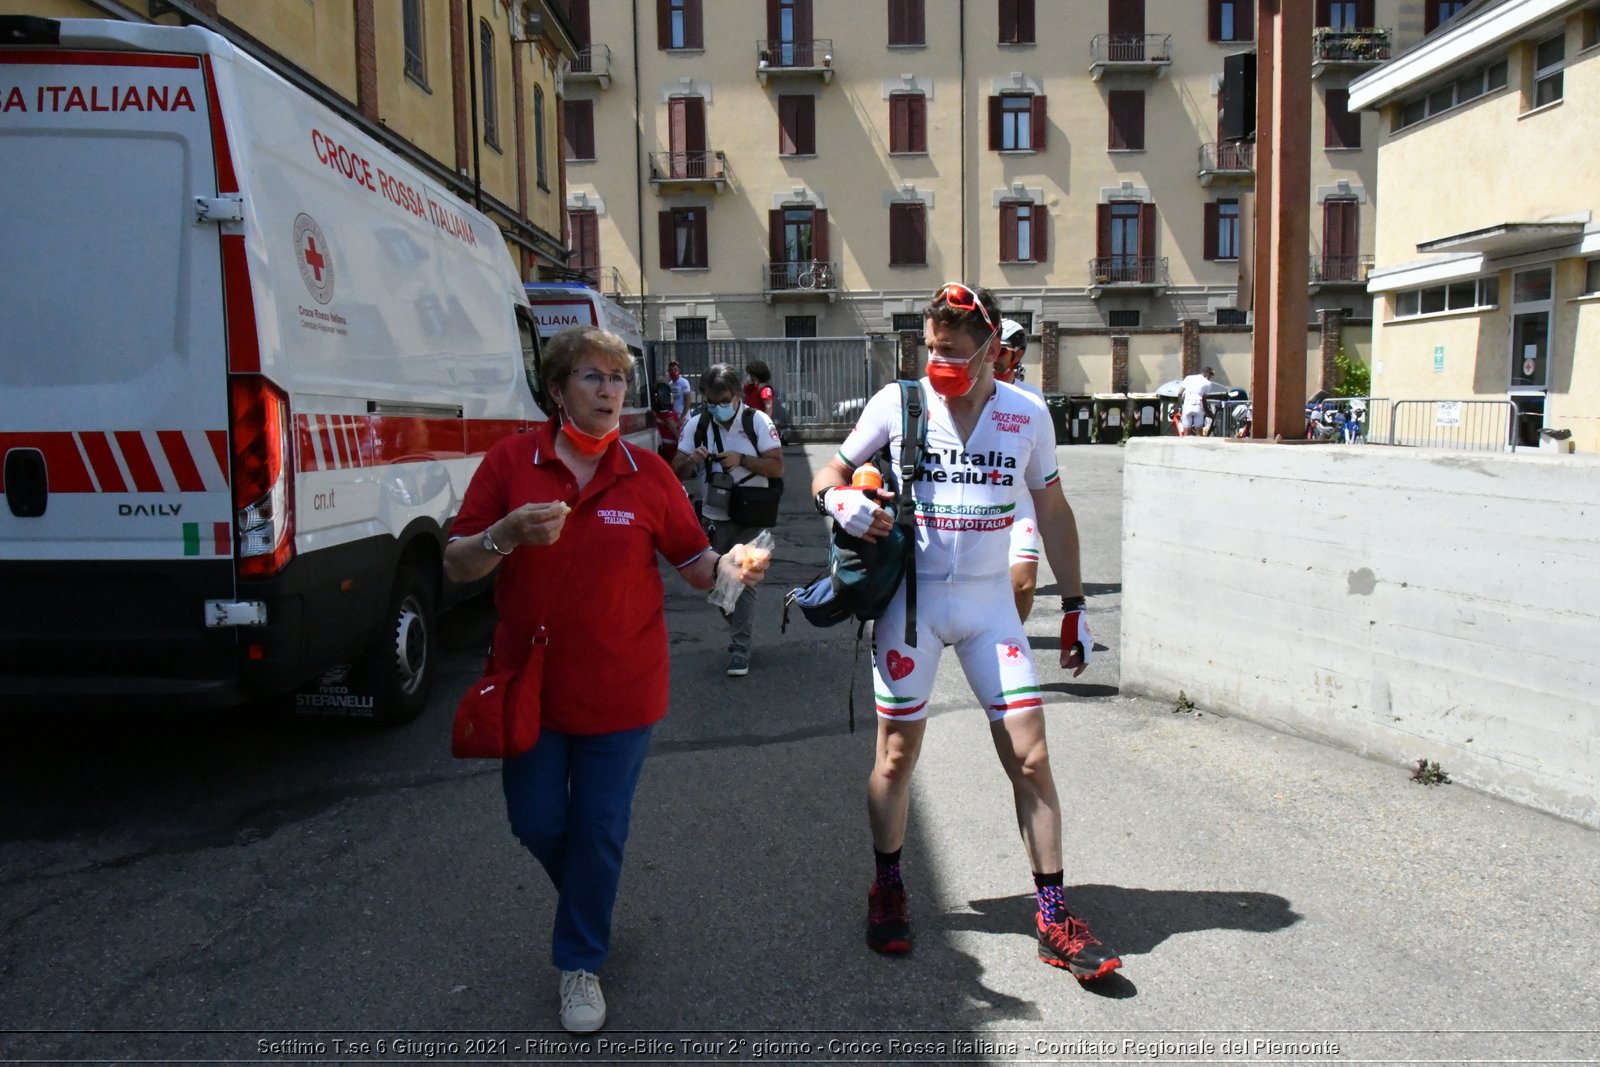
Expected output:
(822, 383)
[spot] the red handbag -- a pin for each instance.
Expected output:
(498, 717)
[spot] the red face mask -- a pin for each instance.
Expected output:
(587, 444)
(1010, 370)
(950, 379)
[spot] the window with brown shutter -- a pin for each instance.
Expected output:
(1222, 230)
(1345, 14)
(1342, 128)
(683, 238)
(906, 24)
(1231, 20)
(678, 25)
(908, 235)
(1024, 233)
(908, 126)
(585, 229)
(1437, 12)
(577, 128)
(1016, 122)
(1016, 21)
(1126, 108)
(797, 125)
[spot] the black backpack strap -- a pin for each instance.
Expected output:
(913, 427)
(702, 418)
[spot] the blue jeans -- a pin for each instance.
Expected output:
(569, 799)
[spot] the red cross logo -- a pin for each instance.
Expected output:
(994, 476)
(313, 257)
(317, 260)
(1012, 651)
(839, 506)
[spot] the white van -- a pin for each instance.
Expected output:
(558, 305)
(250, 360)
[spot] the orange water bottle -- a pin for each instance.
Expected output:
(866, 477)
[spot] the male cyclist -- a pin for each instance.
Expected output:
(984, 439)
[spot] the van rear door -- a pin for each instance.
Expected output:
(117, 521)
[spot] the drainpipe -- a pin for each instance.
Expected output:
(638, 169)
(472, 87)
(961, 22)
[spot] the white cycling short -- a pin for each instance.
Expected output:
(978, 617)
(1025, 532)
(1194, 420)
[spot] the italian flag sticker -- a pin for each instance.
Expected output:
(221, 538)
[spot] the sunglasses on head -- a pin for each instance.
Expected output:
(963, 298)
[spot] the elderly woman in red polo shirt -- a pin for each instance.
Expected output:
(574, 518)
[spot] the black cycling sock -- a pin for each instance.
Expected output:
(888, 866)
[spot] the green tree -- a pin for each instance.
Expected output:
(1353, 376)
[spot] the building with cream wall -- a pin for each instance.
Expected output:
(1487, 280)
(1143, 290)
(354, 55)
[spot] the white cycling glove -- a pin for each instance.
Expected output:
(852, 508)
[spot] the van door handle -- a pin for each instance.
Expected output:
(27, 482)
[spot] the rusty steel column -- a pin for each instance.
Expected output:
(1283, 216)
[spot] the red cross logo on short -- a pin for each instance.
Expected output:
(1012, 651)
(313, 257)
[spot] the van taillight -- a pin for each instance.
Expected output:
(262, 480)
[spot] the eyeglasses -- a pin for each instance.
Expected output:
(594, 379)
(963, 298)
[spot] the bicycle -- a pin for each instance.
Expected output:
(816, 276)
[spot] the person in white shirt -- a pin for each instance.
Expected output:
(1025, 530)
(726, 456)
(1192, 419)
(680, 389)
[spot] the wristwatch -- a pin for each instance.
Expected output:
(821, 501)
(488, 543)
(1073, 603)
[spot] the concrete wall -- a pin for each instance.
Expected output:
(1401, 603)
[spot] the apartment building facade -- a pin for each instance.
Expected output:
(817, 167)
(1487, 281)
(469, 90)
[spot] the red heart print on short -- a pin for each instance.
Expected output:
(899, 666)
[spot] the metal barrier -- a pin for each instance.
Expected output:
(823, 382)
(1465, 425)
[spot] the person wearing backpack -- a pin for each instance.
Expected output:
(736, 451)
(982, 441)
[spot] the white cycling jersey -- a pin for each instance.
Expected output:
(1025, 531)
(966, 496)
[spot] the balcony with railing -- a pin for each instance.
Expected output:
(680, 171)
(1131, 53)
(1227, 161)
(799, 59)
(1348, 50)
(593, 64)
(802, 279)
(1127, 274)
(1339, 272)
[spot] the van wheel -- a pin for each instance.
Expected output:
(400, 662)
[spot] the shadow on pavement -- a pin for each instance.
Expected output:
(1135, 921)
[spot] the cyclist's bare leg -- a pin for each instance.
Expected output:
(889, 786)
(1020, 742)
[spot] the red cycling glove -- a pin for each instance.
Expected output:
(1075, 630)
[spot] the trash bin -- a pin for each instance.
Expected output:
(1080, 420)
(1057, 403)
(1144, 412)
(1169, 415)
(1110, 418)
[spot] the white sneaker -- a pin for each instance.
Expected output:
(583, 1006)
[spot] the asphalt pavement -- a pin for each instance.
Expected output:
(241, 888)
